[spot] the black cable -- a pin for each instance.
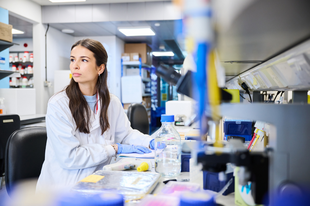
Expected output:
(276, 96)
(246, 88)
(282, 93)
(48, 26)
(243, 97)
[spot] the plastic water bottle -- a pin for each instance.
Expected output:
(167, 148)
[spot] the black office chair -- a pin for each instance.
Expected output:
(24, 155)
(138, 117)
(8, 124)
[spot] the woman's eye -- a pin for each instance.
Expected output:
(84, 60)
(72, 60)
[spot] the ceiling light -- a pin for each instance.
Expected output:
(59, 1)
(68, 31)
(136, 31)
(157, 24)
(163, 53)
(15, 31)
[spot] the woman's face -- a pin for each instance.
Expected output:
(83, 66)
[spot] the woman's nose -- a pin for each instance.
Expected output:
(76, 65)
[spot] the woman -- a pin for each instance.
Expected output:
(86, 125)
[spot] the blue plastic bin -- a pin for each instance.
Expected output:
(241, 128)
(185, 162)
(211, 182)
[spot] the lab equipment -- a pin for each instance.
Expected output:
(200, 198)
(130, 163)
(241, 128)
(133, 185)
(124, 149)
(168, 160)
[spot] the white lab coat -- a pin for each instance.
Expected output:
(71, 155)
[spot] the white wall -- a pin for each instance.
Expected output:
(21, 42)
(114, 47)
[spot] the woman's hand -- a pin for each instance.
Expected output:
(126, 149)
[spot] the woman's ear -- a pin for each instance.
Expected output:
(101, 69)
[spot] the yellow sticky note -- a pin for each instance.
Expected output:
(92, 178)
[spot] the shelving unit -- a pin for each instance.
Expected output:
(127, 65)
(24, 64)
(4, 45)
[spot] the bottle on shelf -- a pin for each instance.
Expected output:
(31, 57)
(22, 70)
(30, 69)
(20, 66)
(26, 69)
(2, 107)
(10, 58)
(18, 83)
(13, 68)
(167, 148)
(15, 59)
(30, 82)
(24, 82)
(26, 56)
(10, 83)
(14, 82)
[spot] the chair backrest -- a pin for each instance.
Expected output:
(138, 118)
(24, 155)
(8, 124)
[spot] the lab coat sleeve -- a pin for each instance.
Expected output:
(69, 153)
(124, 134)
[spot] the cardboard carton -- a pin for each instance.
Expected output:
(6, 32)
(143, 49)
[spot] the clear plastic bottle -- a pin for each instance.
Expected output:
(167, 148)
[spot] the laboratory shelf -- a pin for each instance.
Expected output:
(5, 73)
(4, 45)
(135, 63)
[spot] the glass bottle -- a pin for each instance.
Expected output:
(167, 148)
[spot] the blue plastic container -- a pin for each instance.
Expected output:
(211, 182)
(185, 162)
(241, 128)
(198, 198)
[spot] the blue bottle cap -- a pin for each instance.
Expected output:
(198, 198)
(167, 118)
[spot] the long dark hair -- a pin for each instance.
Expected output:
(77, 102)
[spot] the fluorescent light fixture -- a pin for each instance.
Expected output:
(163, 53)
(15, 31)
(59, 1)
(137, 31)
(68, 31)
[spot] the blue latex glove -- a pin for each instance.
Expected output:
(126, 149)
(159, 146)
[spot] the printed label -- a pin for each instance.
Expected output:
(6, 120)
